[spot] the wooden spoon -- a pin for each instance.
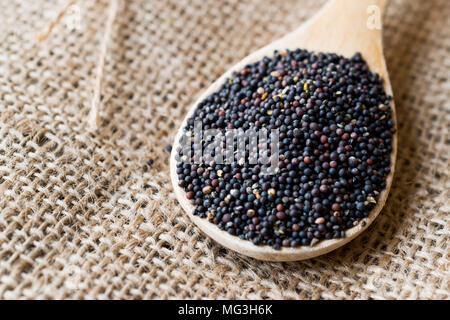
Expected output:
(343, 27)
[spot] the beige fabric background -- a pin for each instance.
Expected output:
(81, 216)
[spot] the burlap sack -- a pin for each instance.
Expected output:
(82, 216)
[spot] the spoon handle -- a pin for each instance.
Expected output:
(352, 16)
(344, 27)
(380, 4)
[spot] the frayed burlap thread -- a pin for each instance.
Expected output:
(82, 216)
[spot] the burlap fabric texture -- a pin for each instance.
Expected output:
(82, 216)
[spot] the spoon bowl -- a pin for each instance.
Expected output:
(343, 27)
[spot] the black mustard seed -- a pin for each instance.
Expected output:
(335, 127)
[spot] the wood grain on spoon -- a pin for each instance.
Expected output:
(341, 26)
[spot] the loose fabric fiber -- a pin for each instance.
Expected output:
(83, 217)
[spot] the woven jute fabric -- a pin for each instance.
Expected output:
(83, 217)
